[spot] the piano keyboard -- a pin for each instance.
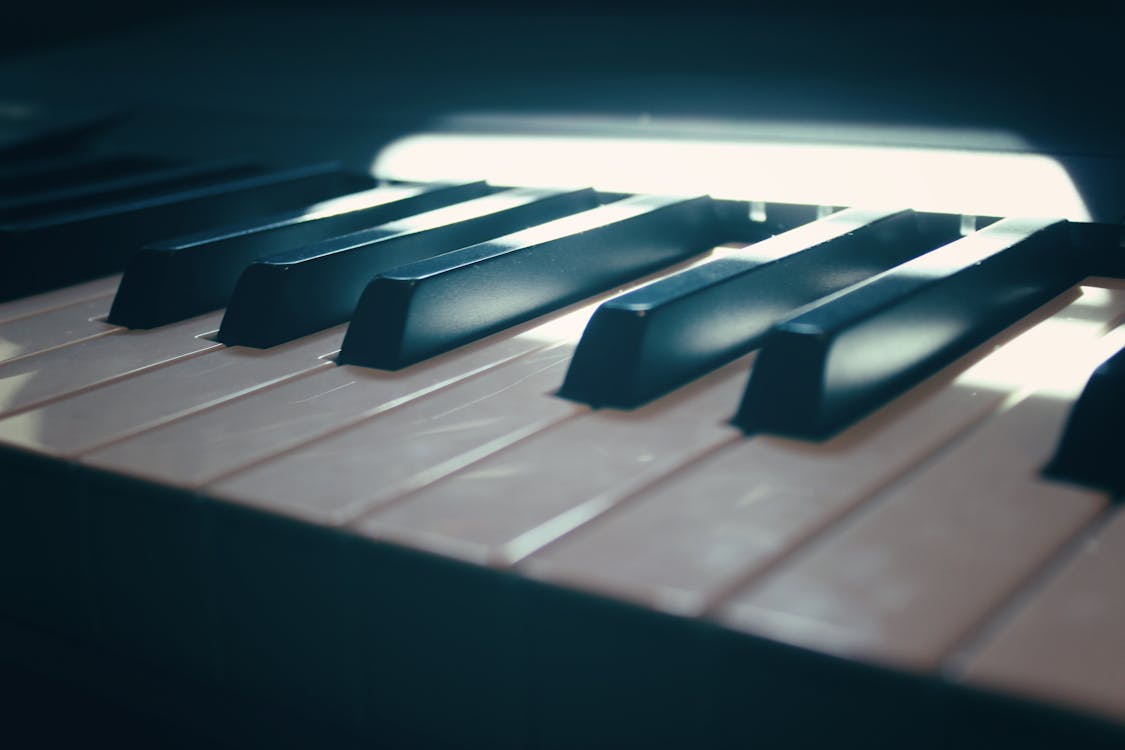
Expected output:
(447, 551)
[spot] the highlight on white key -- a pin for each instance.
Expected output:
(1086, 333)
(971, 182)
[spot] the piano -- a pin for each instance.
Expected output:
(619, 377)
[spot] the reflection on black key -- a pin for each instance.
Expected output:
(63, 248)
(1090, 449)
(59, 173)
(131, 187)
(426, 308)
(289, 295)
(645, 343)
(849, 354)
(185, 276)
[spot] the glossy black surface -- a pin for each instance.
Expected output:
(1090, 450)
(829, 365)
(189, 275)
(29, 204)
(68, 171)
(291, 294)
(645, 343)
(59, 249)
(417, 311)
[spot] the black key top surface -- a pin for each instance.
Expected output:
(130, 187)
(645, 343)
(289, 295)
(839, 359)
(185, 276)
(1089, 451)
(63, 248)
(420, 310)
(59, 173)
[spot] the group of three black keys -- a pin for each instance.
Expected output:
(848, 310)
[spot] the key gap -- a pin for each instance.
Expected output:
(978, 635)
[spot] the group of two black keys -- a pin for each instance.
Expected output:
(848, 311)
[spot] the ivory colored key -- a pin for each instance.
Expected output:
(115, 410)
(1066, 642)
(680, 545)
(31, 381)
(40, 303)
(198, 449)
(924, 564)
(507, 506)
(54, 328)
(335, 480)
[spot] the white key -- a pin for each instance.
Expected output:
(925, 563)
(31, 381)
(110, 412)
(1066, 642)
(682, 544)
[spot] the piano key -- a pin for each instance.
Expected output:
(92, 417)
(29, 205)
(55, 250)
(39, 303)
(503, 508)
(905, 581)
(646, 343)
(200, 449)
(846, 355)
(189, 275)
(683, 544)
(30, 381)
(416, 311)
(1063, 643)
(55, 174)
(410, 446)
(1089, 450)
(290, 294)
(54, 328)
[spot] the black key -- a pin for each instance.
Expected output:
(1090, 449)
(130, 187)
(63, 248)
(840, 358)
(32, 132)
(426, 308)
(185, 276)
(645, 343)
(59, 173)
(292, 294)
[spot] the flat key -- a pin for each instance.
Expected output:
(843, 357)
(185, 276)
(641, 345)
(510, 504)
(288, 295)
(1089, 451)
(54, 328)
(40, 303)
(429, 307)
(59, 249)
(126, 188)
(110, 412)
(1064, 643)
(31, 381)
